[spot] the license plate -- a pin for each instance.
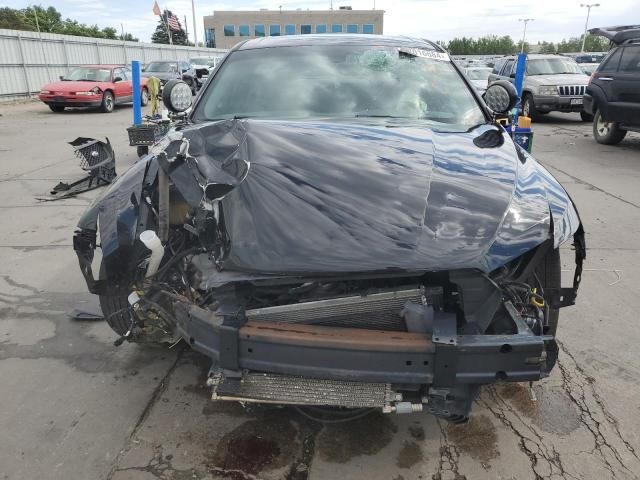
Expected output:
(576, 101)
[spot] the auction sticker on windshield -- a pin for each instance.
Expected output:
(418, 52)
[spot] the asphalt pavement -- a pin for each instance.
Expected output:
(74, 406)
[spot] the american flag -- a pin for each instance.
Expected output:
(173, 22)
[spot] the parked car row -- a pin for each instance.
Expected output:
(105, 86)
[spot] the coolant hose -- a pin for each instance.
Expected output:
(153, 243)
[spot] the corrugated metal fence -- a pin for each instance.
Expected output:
(28, 60)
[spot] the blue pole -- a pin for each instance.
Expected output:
(521, 66)
(137, 108)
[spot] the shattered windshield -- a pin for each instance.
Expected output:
(89, 74)
(161, 67)
(552, 66)
(340, 82)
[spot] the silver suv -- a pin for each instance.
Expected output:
(552, 83)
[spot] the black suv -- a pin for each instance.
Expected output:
(613, 93)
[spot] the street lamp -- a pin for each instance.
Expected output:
(586, 24)
(524, 34)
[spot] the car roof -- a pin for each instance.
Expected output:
(541, 56)
(338, 39)
(104, 66)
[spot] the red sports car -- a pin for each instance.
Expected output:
(102, 86)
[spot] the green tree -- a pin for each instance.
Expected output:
(13, 19)
(547, 47)
(487, 45)
(179, 37)
(128, 37)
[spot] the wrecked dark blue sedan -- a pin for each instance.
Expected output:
(339, 222)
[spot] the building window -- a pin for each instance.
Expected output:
(243, 30)
(336, 28)
(229, 30)
(259, 30)
(210, 37)
(352, 28)
(304, 29)
(274, 30)
(321, 28)
(367, 28)
(290, 29)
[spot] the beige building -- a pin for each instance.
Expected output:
(224, 29)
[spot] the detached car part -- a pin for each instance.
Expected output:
(351, 263)
(97, 159)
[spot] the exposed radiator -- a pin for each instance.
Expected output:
(283, 389)
(375, 311)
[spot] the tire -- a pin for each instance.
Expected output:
(606, 133)
(529, 108)
(115, 307)
(108, 102)
(142, 150)
(549, 274)
(586, 117)
(144, 97)
(56, 108)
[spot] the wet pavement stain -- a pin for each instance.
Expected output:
(417, 432)
(340, 442)
(410, 454)
(553, 411)
(476, 438)
(257, 445)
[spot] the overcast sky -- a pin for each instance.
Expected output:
(433, 19)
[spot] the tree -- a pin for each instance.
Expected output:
(129, 38)
(49, 20)
(488, 45)
(547, 47)
(179, 37)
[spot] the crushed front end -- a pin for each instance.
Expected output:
(337, 303)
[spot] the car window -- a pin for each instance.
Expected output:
(126, 74)
(161, 67)
(340, 82)
(497, 67)
(552, 66)
(630, 60)
(508, 66)
(117, 72)
(89, 74)
(610, 64)
(185, 66)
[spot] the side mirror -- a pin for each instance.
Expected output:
(512, 75)
(501, 96)
(117, 79)
(176, 96)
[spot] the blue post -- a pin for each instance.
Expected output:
(137, 108)
(521, 66)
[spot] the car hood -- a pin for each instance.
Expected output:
(69, 86)
(336, 197)
(564, 79)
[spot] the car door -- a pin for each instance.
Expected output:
(602, 84)
(508, 71)
(119, 87)
(127, 83)
(626, 86)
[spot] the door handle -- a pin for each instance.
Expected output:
(607, 79)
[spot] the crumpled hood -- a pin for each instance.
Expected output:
(336, 197)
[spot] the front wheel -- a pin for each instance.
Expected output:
(144, 97)
(528, 107)
(607, 133)
(115, 307)
(586, 117)
(108, 102)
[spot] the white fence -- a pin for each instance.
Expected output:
(28, 60)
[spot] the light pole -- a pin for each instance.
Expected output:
(524, 33)
(586, 23)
